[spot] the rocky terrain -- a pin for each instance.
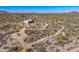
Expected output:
(48, 33)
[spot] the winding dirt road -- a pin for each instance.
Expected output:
(57, 33)
(20, 38)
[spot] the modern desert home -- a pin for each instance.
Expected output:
(28, 21)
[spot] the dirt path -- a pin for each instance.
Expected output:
(20, 38)
(57, 33)
(75, 50)
(44, 27)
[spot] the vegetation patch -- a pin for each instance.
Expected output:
(61, 39)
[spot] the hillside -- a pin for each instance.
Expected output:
(3, 12)
(48, 32)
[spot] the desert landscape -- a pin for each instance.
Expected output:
(30, 32)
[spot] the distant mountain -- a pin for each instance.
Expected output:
(73, 12)
(3, 12)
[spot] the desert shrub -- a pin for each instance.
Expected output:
(61, 39)
(14, 49)
(29, 50)
(41, 49)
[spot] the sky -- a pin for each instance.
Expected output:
(39, 9)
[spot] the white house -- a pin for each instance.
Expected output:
(28, 21)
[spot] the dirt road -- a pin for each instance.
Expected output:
(75, 50)
(58, 32)
(21, 35)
